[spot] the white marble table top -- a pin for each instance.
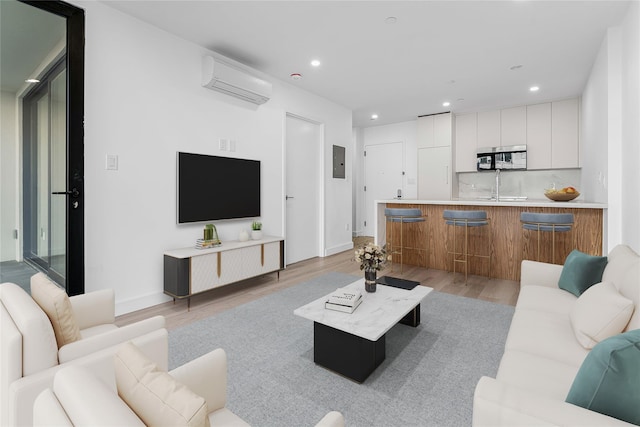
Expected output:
(378, 312)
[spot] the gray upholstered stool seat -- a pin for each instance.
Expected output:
(402, 216)
(466, 219)
(547, 222)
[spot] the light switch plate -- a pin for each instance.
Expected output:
(112, 162)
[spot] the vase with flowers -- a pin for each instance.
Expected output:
(372, 258)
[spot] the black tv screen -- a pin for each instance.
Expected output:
(212, 188)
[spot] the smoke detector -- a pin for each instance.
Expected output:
(295, 76)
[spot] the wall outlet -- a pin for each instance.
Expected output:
(232, 145)
(223, 144)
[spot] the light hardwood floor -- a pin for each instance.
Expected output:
(217, 300)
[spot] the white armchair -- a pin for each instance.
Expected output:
(206, 376)
(29, 353)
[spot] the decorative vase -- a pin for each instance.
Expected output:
(370, 280)
(256, 234)
(243, 236)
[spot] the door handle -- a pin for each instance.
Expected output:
(288, 197)
(73, 193)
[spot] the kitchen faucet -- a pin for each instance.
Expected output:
(497, 185)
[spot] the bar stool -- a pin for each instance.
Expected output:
(403, 216)
(547, 222)
(466, 219)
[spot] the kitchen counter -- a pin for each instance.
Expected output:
(540, 203)
(510, 244)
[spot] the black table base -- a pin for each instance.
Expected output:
(349, 355)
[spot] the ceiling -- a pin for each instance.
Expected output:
(27, 36)
(436, 51)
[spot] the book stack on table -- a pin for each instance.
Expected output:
(345, 300)
(205, 244)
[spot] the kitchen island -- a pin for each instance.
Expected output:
(510, 244)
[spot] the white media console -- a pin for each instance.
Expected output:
(189, 271)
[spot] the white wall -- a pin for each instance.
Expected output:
(595, 130)
(611, 131)
(8, 176)
(630, 108)
(144, 102)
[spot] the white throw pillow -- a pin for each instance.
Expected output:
(155, 397)
(599, 313)
(55, 302)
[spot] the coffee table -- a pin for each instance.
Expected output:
(354, 345)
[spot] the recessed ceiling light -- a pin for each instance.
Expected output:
(296, 76)
(515, 67)
(534, 88)
(315, 63)
(446, 104)
(32, 81)
(374, 117)
(391, 20)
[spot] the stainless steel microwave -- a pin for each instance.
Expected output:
(513, 157)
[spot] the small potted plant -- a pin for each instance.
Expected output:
(256, 230)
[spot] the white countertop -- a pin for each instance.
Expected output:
(540, 203)
(378, 312)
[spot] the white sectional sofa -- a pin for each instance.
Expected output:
(542, 354)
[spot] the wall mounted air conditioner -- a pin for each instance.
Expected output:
(231, 80)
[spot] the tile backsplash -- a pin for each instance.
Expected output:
(516, 183)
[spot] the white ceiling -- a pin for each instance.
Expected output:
(27, 35)
(436, 50)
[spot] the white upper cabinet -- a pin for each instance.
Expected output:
(466, 142)
(426, 137)
(513, 126)
(539, 136)
(565, 123)
(435, 130)
(434, 173)
(551, 132)
(489, 129)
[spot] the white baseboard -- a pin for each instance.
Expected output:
(146, 301)
(337, 249)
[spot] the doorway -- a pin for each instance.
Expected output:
(44, 41)
(303, 214)
(383, 177)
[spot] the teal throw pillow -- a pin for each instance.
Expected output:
(580, 271)
(609, 379)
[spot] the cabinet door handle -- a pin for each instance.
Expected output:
(219, 264)
(446, 174)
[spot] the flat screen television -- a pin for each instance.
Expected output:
(213, 188)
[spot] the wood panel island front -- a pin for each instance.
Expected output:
(509, 242)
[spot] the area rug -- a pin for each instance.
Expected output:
(427, 378)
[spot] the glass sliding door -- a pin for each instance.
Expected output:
(45, 172)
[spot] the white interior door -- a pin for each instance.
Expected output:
(383, 168)
(302, 187)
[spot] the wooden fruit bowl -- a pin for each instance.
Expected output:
(557, 196)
